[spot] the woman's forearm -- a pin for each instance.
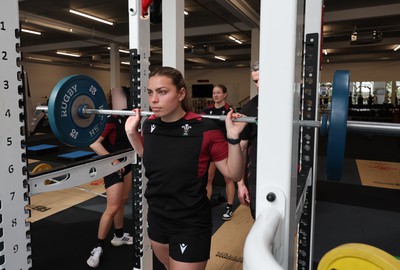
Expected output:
(136, 141)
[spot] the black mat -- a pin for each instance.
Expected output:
(338, 224)
(64, 240)
(348, 212)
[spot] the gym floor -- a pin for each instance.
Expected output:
(346, 212)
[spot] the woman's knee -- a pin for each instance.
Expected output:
(112, 209)
(124, 200)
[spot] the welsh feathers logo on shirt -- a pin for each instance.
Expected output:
(186, 129)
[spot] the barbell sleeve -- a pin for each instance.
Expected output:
(374, 127)
(359, 126)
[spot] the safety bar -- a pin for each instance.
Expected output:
(259, 245)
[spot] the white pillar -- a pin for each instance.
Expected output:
(115, 67)
(278, 114)
(173, 34)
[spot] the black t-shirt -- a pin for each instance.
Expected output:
(114, 134)
(217, 111)
(176, 158)
(211, 110)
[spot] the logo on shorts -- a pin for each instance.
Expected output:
(183, 247)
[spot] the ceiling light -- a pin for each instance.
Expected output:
(69, 54)
(185, 12)
(121, 50)
(31, 31)
(39, 59)
(325, 51)
(100, 66)
(235, 39)
(90, 17)
(220, 58)
(397, 47)
(125, 63)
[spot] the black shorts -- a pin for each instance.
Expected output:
(115, 177)
(185, 246)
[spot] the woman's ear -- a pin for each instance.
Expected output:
(182, 94)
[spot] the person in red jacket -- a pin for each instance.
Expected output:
(221, 107)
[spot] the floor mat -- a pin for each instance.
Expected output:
(228, 241)
(379, 173)
(48, 203)
(337, 224)
(63, 241)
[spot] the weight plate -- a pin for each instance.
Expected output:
(356, 256)
(337, 125)
(323, 129)
(66, 100)
(41, 167)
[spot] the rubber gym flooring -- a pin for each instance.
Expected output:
(63, 241)
(346, 211)
(351, 212)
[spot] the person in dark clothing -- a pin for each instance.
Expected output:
(220, 107)
(247, 186)
(177, 147)
(117, 184)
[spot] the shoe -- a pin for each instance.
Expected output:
(228, 213)
(126, 239)
(94, 258)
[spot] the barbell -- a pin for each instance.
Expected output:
(77, 107)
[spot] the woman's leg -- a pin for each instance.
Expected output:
(126, 189)
(162, 253)
(175, 265)
(211, 174)
(114, 194)
(230, 191)
(230, 195)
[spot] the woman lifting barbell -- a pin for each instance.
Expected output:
(177, 147)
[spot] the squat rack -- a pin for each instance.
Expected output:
(281, 75)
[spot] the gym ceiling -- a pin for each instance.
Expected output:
(374, 26)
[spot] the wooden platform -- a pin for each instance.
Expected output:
(228, 241)
(379, 173)
(48, 203)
